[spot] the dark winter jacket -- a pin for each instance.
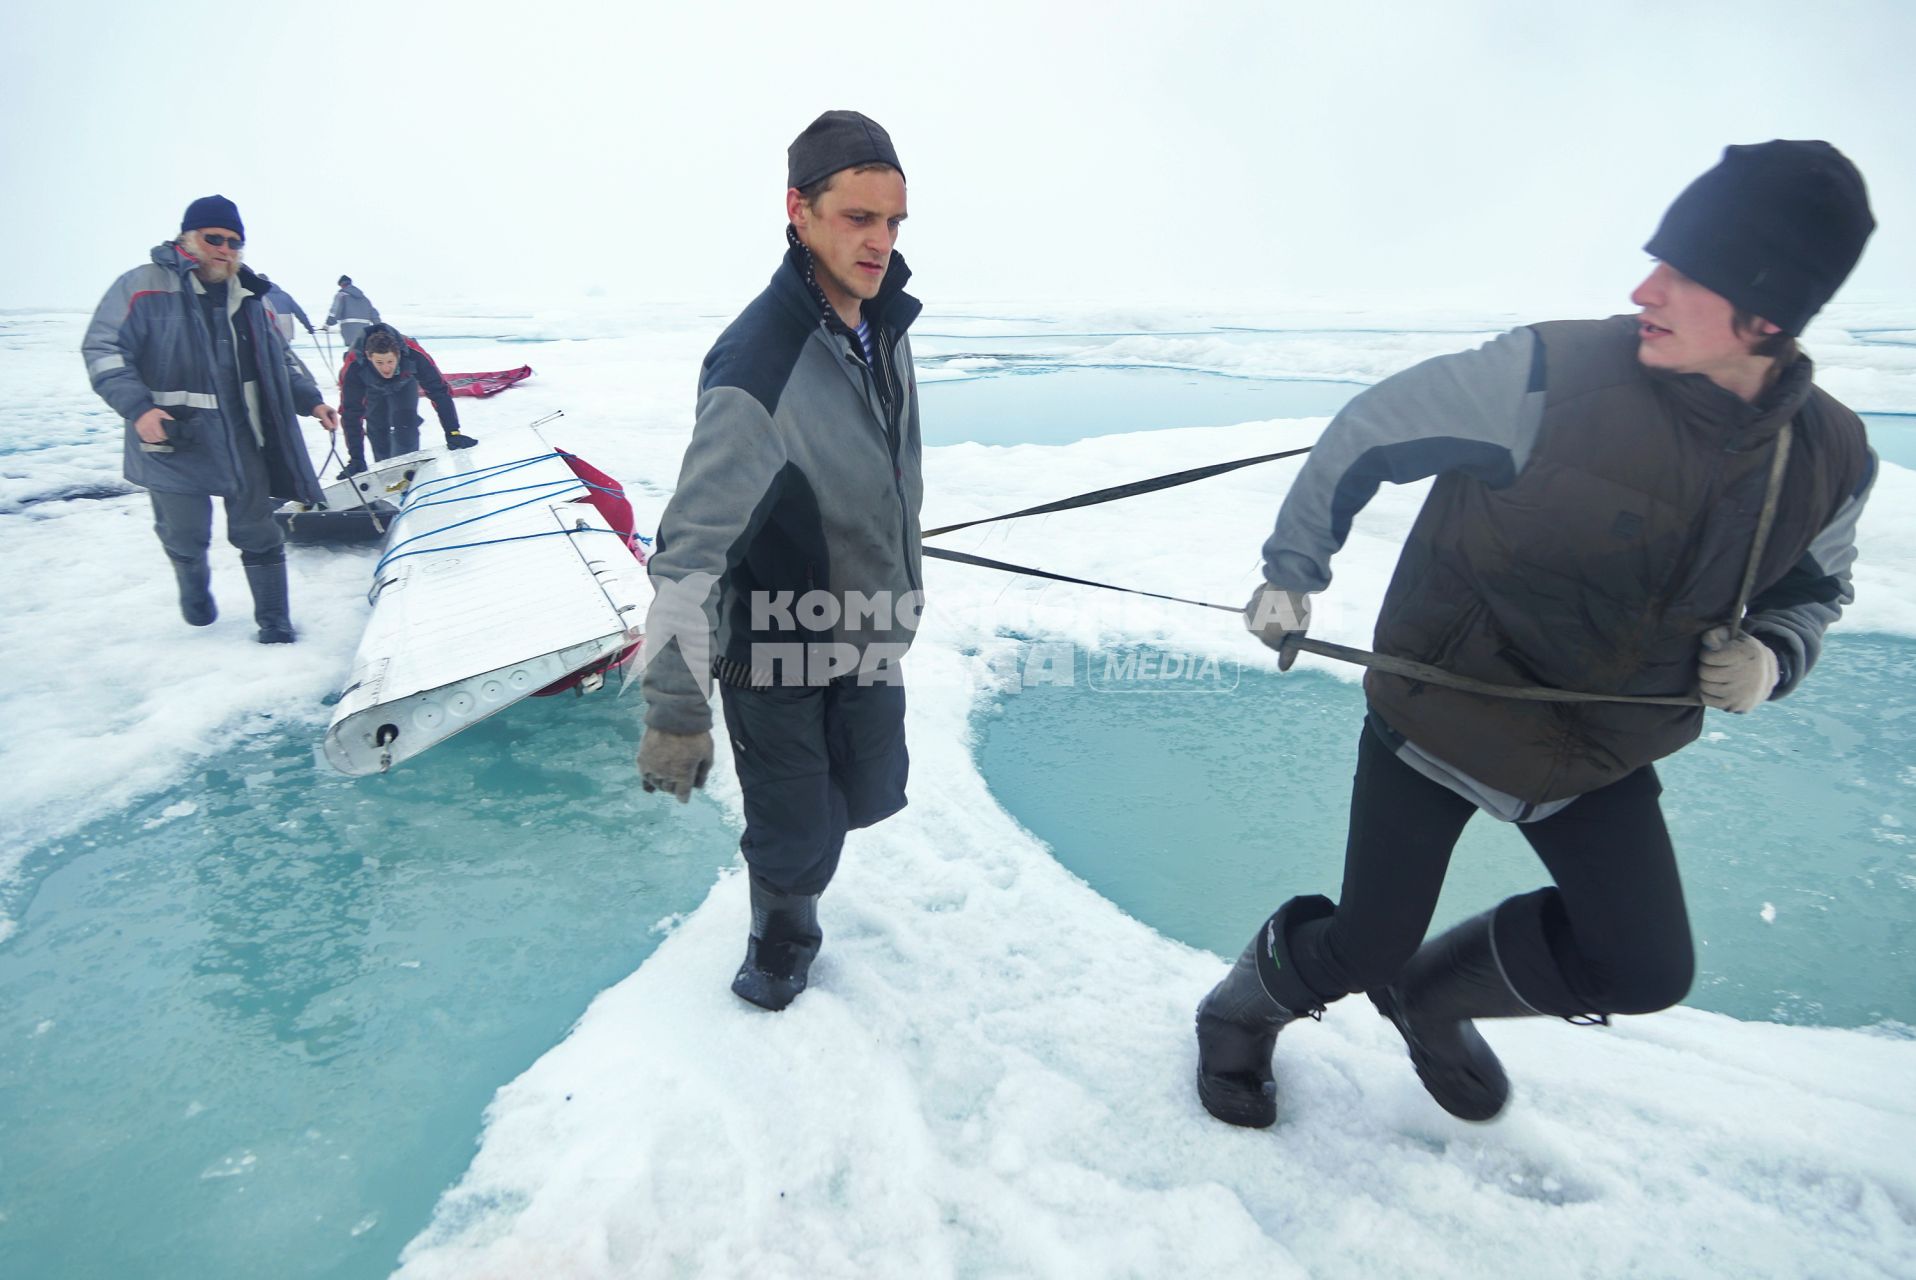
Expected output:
(282, 303)
(802, 482)
(393, 401)
(1591, 518)
(149, 346)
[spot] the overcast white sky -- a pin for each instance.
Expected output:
(1505, 154)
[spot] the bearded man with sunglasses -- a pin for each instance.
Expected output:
(787, 562)
(184, 349)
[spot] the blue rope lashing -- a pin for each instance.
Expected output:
(561, 485)
(449, 483)
(483, 542)
(389, 554)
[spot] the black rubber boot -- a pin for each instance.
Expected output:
(1448, 982)
(195, 577)
(784, 941)
(270, 610)
(1238, 1022)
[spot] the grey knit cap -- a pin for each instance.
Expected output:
(837, 140)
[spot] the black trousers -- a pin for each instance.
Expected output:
(1610, 936)
(184, 521)
(814, 762)
(389, 439)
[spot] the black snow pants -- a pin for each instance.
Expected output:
(814, 762)
(386, 429)
(1611, 936)
(184, 521)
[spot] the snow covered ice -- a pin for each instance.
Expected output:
(991, 1074)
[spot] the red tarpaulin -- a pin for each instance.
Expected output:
(608, 496)
(486, 384)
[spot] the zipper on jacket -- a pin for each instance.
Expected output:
(897, 433)
(894, 428)
(196, 312)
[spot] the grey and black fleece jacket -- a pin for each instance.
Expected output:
(1590, 520)
(802, 483)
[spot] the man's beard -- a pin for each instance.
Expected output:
(209, 270)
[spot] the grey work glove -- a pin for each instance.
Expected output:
(1735, 675)
(1279, 618)
(674, 762)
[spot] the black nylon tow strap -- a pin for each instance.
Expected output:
(1112, 494)
(1343, 653)
(1360, 657)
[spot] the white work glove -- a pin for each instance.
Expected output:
(1279, 618)
(1735, 675)
(674, 762)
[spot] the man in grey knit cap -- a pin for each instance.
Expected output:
(787, 561)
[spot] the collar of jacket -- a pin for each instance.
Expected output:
(893, 308)
(380, 326)
(1742, 424)
(181, 263)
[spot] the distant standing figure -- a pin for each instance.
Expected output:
(352, 312)
(285, 311)
(384, 378)
(182, 349)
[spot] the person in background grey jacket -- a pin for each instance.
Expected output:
(352, 311)
(1594, 527)
(788, 560)
(285, 311)
(183, 350)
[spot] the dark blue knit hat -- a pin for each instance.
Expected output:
(211, 211)
(1775, 228)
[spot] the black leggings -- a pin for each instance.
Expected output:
(1612, 936)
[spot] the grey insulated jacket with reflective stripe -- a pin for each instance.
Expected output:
(1590, 520)
(352, 306)
(147, 347)
(802, 481)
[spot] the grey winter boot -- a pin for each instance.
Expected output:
(779, 953)
(1451, 980)
(195, 577)
(1238, 1022)
(270, 610)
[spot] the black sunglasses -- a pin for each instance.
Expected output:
(219, 241)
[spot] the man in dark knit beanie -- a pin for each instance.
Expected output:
(1659, 510)
(184, 349)
(787, 561)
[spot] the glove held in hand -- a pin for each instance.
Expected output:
(1735, 675)
(674, 762)
(1275, 615)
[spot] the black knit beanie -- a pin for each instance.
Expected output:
(1775, 228)
(211, 211)
(837, 140)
